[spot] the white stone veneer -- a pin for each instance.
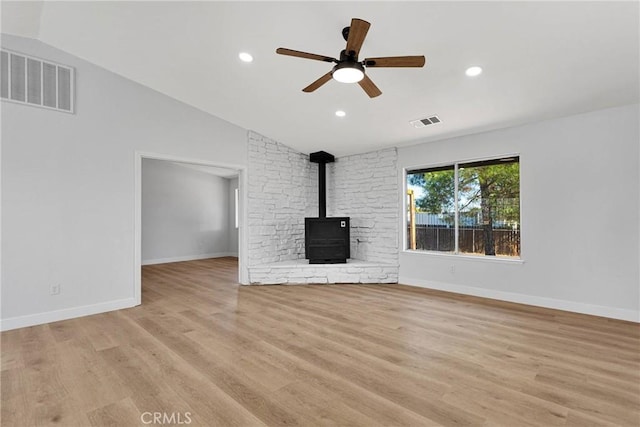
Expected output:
(283, 189)
(365, 188)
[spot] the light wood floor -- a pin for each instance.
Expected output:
(319, 355)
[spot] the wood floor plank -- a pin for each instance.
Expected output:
(361, 355)
(328, 382)
(85, 374)
(320, 408)
(210, 405)
(120, 413)
(241, 388)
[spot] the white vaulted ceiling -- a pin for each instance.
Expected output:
(540, 60)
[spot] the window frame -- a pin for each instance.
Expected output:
(456, 254)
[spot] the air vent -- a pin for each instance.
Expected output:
(420, 123)
(34, 81)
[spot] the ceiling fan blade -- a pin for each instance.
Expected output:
(306, 55)
(369, 87)
(395, 61)
(315, 85)
(357, 32)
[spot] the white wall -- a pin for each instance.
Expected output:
(580, 215)
(68, 189)
(185, 213)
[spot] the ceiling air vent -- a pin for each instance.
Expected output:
(34, 81)
(420, 123)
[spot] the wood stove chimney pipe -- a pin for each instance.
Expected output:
(322, 158)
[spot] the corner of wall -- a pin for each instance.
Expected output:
(365, 188)
(281, 192)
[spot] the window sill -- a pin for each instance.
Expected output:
(452, 256)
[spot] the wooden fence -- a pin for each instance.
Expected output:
(428, 238)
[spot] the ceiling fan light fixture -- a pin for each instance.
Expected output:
(348, 72)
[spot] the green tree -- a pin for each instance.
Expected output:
(439, 187)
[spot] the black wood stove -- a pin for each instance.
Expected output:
(326, 240)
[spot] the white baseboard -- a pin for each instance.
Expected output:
(575, 307)
(64, 314)
(187, 258)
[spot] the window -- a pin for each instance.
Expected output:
(236, 206)
(470, 208)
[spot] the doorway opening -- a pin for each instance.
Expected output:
(187, 210)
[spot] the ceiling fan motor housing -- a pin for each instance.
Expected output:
(348, 64)
(346, 57)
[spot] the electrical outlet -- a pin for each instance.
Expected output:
(55, 289)
(452, 269)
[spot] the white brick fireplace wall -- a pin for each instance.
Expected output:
(283, 190)
(365, 188)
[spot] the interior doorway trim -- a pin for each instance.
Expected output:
(243, 275)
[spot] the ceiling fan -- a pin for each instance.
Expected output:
(348, 69)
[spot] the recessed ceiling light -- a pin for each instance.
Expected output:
(340, 113)
(245, 57)
(473, 71)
